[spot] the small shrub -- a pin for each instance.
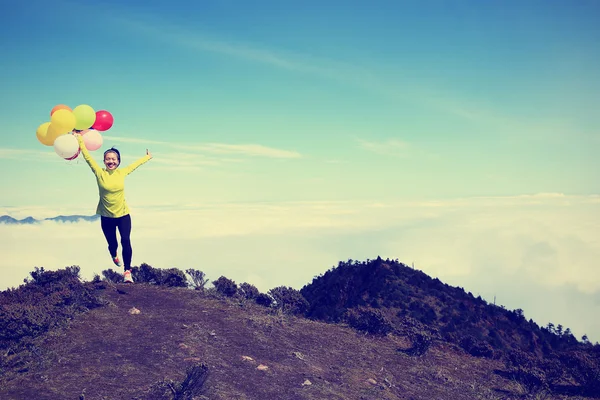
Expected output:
(225, 286)
(173, 277)
(39, 276)
(249, 291)
(369, 320)
(190, 388)
(584, 368)
(476, 347)
(145, 273)
(527, 370)
(199, 279)
(49, 299)
(421, 343)
(112, 276)
(289, 300)
(264, 299)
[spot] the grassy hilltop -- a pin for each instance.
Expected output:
(375, 329)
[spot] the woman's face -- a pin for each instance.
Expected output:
(111, 161)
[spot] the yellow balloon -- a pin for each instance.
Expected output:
(85, 116)
(64, 120)
(42, 134)
(54, 131)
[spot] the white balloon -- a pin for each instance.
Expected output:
(66, 146)
(92, 139)
(75, 156)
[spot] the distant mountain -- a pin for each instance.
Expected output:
(74, 218)
(8, 220)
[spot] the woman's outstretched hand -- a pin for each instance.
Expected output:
(148, 153)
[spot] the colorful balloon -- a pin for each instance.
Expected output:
(104, 121)
(85, 116)
(60, 107)
(66, 146)
(52, 133)
(75, 156)
(92, 140)
(42, 134)
(63, 120)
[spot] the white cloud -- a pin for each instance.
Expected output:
(30, 155)
(537, 256)
(396, 148)
(183, 162)
(390, 147)
(252, 150)
(246, 149)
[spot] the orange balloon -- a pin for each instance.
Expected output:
(60, 107)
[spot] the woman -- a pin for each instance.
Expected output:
(112, 208)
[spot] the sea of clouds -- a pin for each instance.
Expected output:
(539, 253)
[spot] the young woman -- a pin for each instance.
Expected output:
(112, 207)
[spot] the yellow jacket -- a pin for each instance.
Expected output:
(111, 184)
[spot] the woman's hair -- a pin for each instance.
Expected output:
(112, 149)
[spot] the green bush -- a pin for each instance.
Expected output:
(225, 286)
(250, 292)
(477, 348)
(112, 276)
(39, 276)
(526, 369)
(171, 277)
(369, 320)
(199, 279)
(289, 300)
(421, 342)
(264, 299)
(47, 300)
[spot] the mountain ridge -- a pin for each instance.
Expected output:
(8, 220)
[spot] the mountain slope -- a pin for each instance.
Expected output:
(402, 293)
(388, 296)
(61, 338)
(109, 353)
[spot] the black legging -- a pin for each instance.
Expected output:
(109, 227)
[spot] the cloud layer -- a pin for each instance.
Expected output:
(534, 252)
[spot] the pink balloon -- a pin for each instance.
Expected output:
(104, 121)
(92, 140)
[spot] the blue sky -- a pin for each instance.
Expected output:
(280, 103)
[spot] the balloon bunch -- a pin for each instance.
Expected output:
(82, 119)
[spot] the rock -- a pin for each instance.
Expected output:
(262, 367)
(134, 310)
(298, 355)
(372, 381)
(306, 383)
(246, 358)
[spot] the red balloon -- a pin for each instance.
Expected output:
(104, 121)
(75, 156)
